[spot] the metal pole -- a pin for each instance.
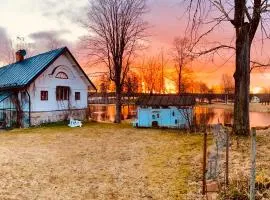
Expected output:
(29, 107)
(253, 164)
(227, 157)
(204, 162)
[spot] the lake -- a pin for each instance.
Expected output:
(203, 115)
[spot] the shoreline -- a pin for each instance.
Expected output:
(253, 107)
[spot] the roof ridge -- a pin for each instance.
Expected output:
(19, 74)
(47, 52)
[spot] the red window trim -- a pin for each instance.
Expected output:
(44, 95)
(77, 96)
(62, 93)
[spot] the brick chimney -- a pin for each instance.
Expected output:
(20, 55)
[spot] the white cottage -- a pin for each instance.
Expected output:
(45, 88)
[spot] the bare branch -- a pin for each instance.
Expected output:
(221, 8)
(256, 65)
(214, 49)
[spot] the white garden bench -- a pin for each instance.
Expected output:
(74, 123)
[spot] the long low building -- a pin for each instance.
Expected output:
(48, 87)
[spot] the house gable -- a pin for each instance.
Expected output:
(62, 72)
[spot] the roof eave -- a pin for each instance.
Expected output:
(19, 87)
(88, 79)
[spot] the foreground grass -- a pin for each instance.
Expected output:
(241, 152)
(98, 161)
(240, 163)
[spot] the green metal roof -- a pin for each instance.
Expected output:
(19, 74)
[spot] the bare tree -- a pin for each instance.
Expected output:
(245, 17)
(163, 65)
(151, 73)
(181, 56)
(7, 52)
(116, 31)
(131, 84)
(187, 114)
(227, 84)
(104, 85)
(203, 88)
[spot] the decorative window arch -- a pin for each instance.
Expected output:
(61, 75)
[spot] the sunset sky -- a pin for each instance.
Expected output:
(35, 20)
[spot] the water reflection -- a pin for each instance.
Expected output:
(107, 112)
(202, 115)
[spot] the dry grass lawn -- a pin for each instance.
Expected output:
(98, 161)
(241, 152)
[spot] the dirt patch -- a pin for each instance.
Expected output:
(98, 161)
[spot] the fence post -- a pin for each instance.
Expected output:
(204, 162)
(253, 164)
(227, 157)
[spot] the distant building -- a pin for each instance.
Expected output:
(170, 111)
(255, 99)
(45, 88)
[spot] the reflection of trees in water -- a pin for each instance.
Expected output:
(227, 116)
(107, 112)
(203, 115)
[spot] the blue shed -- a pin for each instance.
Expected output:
(170, 111)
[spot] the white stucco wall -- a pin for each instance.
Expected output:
(47, 81)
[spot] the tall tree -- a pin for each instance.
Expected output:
(151, 71)
(104, 85)
(245, 17)
(131, 85)
(181, 56)
(116, 30)
(227, 84)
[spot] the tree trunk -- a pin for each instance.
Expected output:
(242, 81)
(118, 104)
(19, 111)
(179, 80)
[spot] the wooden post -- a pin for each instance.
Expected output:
(204, 162)
(227, 157)
(253, 164)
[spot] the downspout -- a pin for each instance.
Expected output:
(29, 107)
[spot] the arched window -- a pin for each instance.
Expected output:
(61, 75)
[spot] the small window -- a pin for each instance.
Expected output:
(61, 75)
(62, 93)
(153, 117)
(173, 114)
(77, 96)
(176, 121)
(44, 95)
(157, 115)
